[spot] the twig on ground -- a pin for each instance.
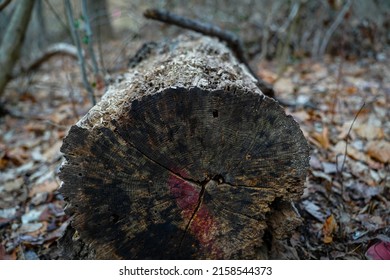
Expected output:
(231, 39)
(340, 171)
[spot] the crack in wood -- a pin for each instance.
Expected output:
(217, 180)
(233, 212)
(188, 180)
(200, 201)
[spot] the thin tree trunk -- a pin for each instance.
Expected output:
(41, 24)
(100, 18)
(4, 4)
(76, 40)
(13, 39)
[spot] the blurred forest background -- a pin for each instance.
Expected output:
(283, 30)
(327, 60)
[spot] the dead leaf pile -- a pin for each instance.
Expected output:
(346, 203)
(32, 214)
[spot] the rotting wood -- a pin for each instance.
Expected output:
(231, 39)
(185, 158)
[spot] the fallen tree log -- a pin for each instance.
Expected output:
(185, 158)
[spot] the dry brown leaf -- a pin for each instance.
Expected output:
(339, 149)
(17, 156)
(362, 171)
(53, 152)
(3, 163)
(329, 228)
(3, 158)
(379, 150)
(358, 191)
(267, 75)
(375, 176)
(301, 115)
(323, 175)
(38, 127)
(57, 232)
(315, 71)
(371, 222)
(13, 185)
(61, 114)
(46, 187)
(40, 229)
(329, 167)
(344, 130)
(4, 255)
(29, 228)
(284, 85)
(322, 138)
(351, 90)
(369, 132)
(314, 210)
(314, 162)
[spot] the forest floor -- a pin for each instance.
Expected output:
(343, 110)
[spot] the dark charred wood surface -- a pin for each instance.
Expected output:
(177, 172)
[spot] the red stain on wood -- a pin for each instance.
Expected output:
(187, 197)
(203, 225)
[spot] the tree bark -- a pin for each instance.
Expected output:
(183, 159)
(13, 39)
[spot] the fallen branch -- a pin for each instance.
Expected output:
(52, 50)
(231, 39)
(339, 172)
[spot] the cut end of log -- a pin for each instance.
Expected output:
(185, 172)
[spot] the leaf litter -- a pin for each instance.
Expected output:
(345, 205)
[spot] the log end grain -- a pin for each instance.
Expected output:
(184, 174)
